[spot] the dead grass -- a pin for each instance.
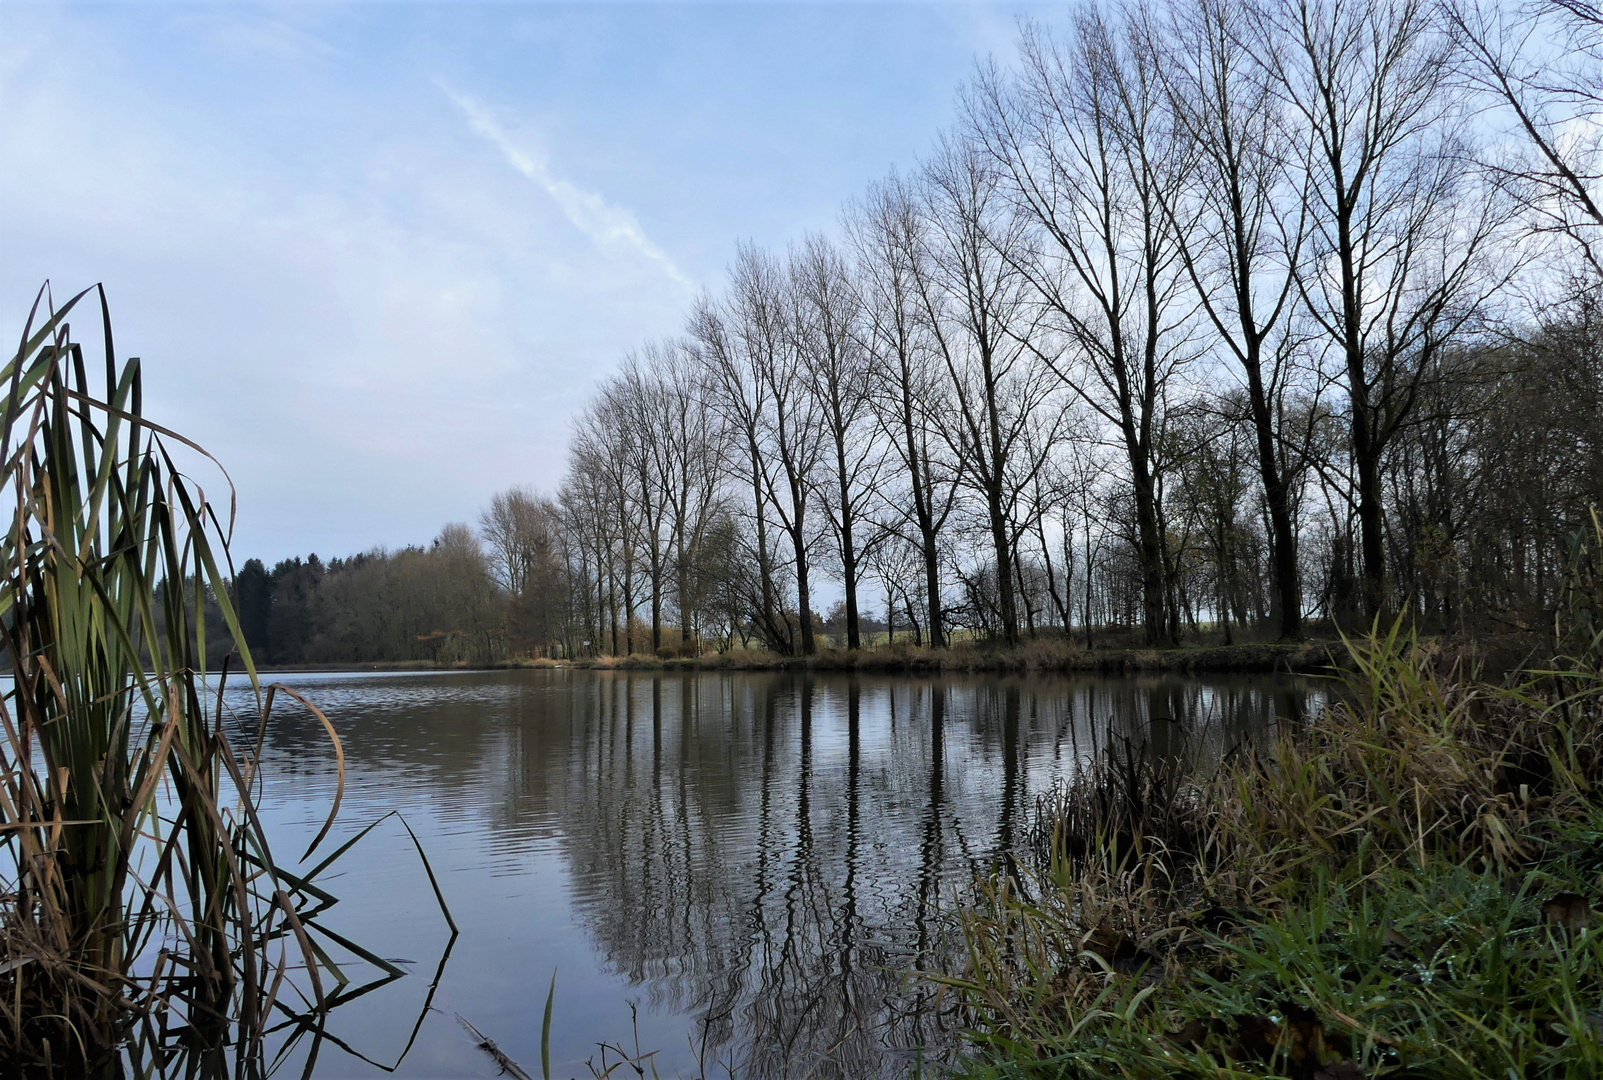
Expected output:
(1180, 920)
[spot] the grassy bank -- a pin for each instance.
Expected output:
(1042, 657)
(1406, 888)
(1321, 655)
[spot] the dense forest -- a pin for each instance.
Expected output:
(1204, 321)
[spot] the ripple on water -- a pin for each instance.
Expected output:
(756, 857)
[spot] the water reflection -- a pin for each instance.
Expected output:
(758, 858)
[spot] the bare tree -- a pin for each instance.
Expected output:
(761, 292)
(1543, 63)
(751, 349)
(1397, 261)
(1056, 492)
(673, 479)
(976, 302)
(639, 402)
(906, 395)
(466, 594)
(581, 521)
(523, 534)
(1079, 136)
(510, 525)
(601, 448)
(736, 390)
(690, 474)
(1240, 220)
(829, 343)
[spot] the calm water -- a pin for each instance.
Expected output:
(753, 860)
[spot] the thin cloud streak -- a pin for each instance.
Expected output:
(604, 224)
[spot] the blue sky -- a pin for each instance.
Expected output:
(376, 256)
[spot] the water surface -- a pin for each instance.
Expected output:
(734, 868)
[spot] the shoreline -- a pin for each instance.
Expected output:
(1034, 658)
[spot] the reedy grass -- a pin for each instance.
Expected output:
(142, 904)
(1403, 886)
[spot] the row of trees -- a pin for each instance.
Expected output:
(438, 604)
(1205, 317)
(1204, 313)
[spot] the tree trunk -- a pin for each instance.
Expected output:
(764, 571)
(1371, 527)
(997, 467)
(656, 599)
(1288, 589)
(1059, 604)
(612, 603)
(848, 552)
(804, 607)
(1089, 643)
(682, 584)
(1024, 594)
(932, 590)
(1149, 551)
(1007, 601)
(924, 508)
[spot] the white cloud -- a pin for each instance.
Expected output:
(371, 328)
(589, 212)
(374, 296)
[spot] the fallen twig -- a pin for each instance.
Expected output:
(485, 1043)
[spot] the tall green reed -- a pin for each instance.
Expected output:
(141, 900)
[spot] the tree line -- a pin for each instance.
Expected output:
(1204, 319)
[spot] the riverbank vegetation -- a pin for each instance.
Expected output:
(1204, 322)
(1407, 886)
(1044, 656)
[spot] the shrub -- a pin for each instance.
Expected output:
(1404, 885)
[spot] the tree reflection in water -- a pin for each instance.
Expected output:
(775, 856)
(767, 854)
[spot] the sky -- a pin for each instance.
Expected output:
(375, 257)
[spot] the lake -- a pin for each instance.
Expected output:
(732, 868)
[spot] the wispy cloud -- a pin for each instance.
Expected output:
(266, 39)
(588, 211)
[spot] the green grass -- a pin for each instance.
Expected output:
(1405, 888)
(1442, 972)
